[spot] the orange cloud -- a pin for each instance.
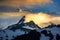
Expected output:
(26, 2)
(13, 14)
(41, 19)
(56, 20)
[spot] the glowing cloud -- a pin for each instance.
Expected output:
(13, 14)
(42, 19)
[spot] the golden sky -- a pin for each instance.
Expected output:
(41, 19)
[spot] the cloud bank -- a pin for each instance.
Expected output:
(17, 3)
(41, 19)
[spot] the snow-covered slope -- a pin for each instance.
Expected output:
(20, 28)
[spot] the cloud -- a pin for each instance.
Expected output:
(12, 14)
(41, 19)
(25, 2)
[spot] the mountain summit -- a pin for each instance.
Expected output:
(23, 26)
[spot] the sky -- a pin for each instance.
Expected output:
(45, 11)
(51, 6)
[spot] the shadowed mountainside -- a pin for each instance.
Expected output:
(32, 35)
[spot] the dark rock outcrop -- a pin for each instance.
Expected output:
(57, 37)
(32, 35)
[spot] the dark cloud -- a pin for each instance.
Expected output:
(2, 0)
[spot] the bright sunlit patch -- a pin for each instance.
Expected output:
(40, 19)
